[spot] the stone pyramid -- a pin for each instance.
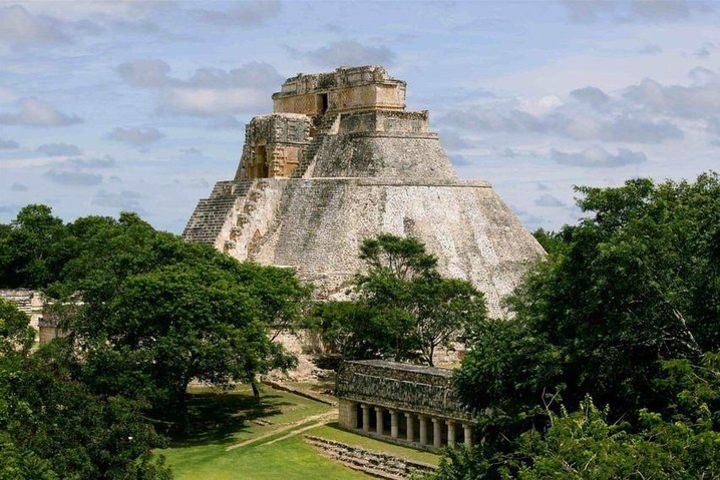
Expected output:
(340, 160)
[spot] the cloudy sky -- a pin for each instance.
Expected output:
(140, 106)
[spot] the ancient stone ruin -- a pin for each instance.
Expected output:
(37, 307)
(340, 160)
(403, 403)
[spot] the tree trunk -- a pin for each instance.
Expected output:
(255, 389)
(182, 404)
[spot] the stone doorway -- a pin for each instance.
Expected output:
(261, 166)
(323, 103)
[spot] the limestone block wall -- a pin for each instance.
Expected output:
(404, 156)
(385, 121)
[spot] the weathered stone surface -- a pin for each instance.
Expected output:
(413, 388)
(377, 464)
(368, 168)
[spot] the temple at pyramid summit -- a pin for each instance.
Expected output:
(340, 160)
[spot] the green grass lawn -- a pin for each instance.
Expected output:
(221, 420)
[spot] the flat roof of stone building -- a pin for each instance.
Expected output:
(406, 367)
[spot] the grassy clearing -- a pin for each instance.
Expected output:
(222, 420)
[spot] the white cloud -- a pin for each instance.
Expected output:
(700, 98)
(34, 112)
(74, 178)
(18, 187)
(102, 162)
(125, 200)
(19, 28)
(136, 135)
(591, 95)
(349, 53)
(209, 92)
(650, 49)
(598, 157)
(8, 144)
(59, 149)
(245, 14)
(452, 140)
(145, 73)
(625, 11)
(548, 200)
(208, 102)
(578, 125)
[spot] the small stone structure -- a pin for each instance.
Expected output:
(274, 146)
(404, 403)
(35, 306)
(340, 160)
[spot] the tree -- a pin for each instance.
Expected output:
(156, 311)
(53, 427)
(635, 283)
(625, 309)
(584, 445)
(33, 248)
(506, 377)
(403, 309)
(183, 322)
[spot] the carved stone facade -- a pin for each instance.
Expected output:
(274, 146)
(402, 401)
(347, 89)
(340, 160)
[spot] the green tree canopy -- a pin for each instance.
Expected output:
(625, 309)
(54, 427)
(403, 308)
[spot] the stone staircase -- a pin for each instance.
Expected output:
(376, 464)
(326, 124)
(210, 214)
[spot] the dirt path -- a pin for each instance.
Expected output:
(322, 419)
(299, 431)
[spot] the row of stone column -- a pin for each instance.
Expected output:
(437, 425)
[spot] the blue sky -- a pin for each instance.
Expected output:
(111, 106)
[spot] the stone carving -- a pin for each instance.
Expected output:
(398, 402)
(340, 160)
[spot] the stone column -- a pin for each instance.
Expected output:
(468, 432)
(394, 423)
(409, 427)
(366, 417)
(423, 429)
(437, 432)
(451, 433)
(352, 414)
(379, 420)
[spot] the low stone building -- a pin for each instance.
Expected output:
(403, 403)
(35, 306)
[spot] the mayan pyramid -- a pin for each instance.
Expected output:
(340, 160)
